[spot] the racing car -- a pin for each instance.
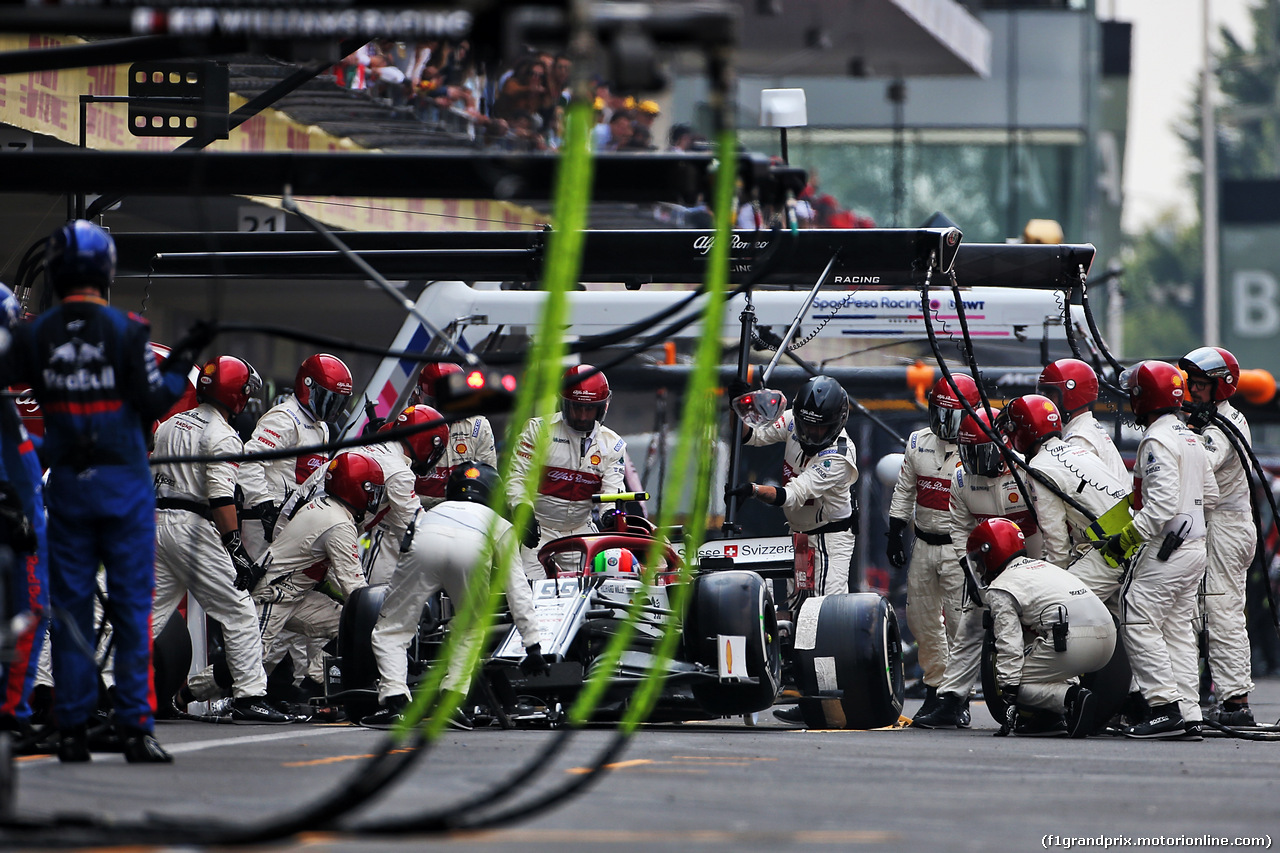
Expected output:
(842, 651)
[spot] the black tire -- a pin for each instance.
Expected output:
(990, 691)
(170, 659)
(734, 603)
(355, 629)
(853, 637)
(1110, 685)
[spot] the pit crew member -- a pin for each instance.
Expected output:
(982, 488)
(469, 438)
(1173, 481)
(1036, 431)
(1072, 629)
(92, 371)
(198, 545)
(451, 543)
(1213, 375)
(1073, 387)
(585, 458)
(934, 586)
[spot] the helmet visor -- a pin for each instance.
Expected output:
(983, 460)
(1053, 392)
(375, 493)
(582, 417)
(327, 404)
(945, 423)
(818, 434)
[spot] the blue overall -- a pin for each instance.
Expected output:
(92, 371)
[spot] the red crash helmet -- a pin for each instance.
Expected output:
(979, 454)
(228, 381)
(945, 409)
(428, 444)
(1216, 364)
(1154, 387)
(1032, 419)
(429, 379)
(992, 544)
(357, 481)
(583, 402)
(323, 386)
(1070, 384)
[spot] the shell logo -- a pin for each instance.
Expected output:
(728, 656)
(1013, 497)
(595, 459)
(460, 448)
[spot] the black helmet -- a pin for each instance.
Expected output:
(471, 481)
(820, 411)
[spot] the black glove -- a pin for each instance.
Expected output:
(199, 336)
(16, 529)
(374, 423)
(895, 550)
(1199, 415)
(268, 512)
(247, 571)
(1009, 694)
(736, 388)
(532, 533)
(534, 663)
(741, 491)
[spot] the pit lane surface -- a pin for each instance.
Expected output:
(714, 786)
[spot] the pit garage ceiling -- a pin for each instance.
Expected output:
(880, 38)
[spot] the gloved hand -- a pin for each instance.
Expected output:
(15, 527)
(736, 388)
(1199, 415)
(199, 336)
(532, 533)
(248, 572)
(1121, 545)
(534, 663)
(741, 491)
(894, 549)
(1009, 694)
(268, 512)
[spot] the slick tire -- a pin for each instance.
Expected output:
(849, 643)
(734, 603)
(990, 692)
(171, 658)
(355, 630)
(1110, 685)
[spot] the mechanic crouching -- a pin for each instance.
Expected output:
(315, 561)
(449, 544)
(1072, 632)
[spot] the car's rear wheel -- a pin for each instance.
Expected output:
(355, 649)
(734, 603)
(849, 644)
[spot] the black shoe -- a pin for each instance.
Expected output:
(1192, 730)
(1232, 714)
(391, 713)
(1032, 722)
(792, 716)
(73, 745)
(460, 720)
(1165, 722)
(254, 709)
(963, 718)
(1081, 711)
(143, 748)
(930, 701)
(945, 714)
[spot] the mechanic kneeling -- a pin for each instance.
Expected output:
(449, 544)
(1073, 632)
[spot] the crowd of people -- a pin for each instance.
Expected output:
(1025, 520)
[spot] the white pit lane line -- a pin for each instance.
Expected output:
(200, 746)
